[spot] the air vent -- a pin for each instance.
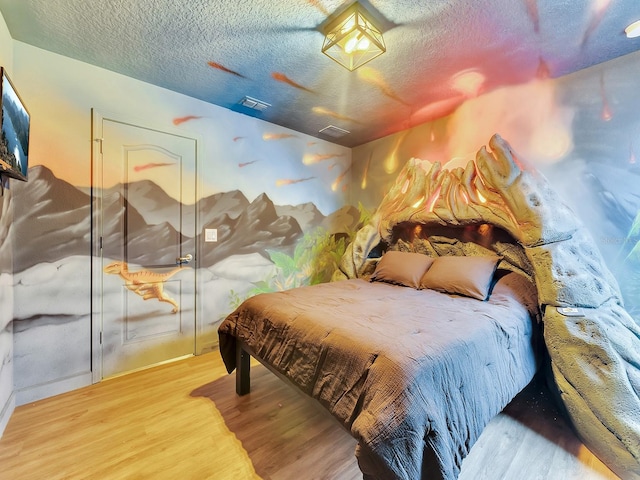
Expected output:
(334, 131)
(254, 104)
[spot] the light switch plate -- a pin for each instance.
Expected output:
(210, 234)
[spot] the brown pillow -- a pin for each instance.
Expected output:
(401, 268)
(468, 276)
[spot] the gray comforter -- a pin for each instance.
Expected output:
(415, 375)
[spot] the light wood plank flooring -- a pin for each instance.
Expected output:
(183, 421)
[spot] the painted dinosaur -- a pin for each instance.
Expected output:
(145, 283)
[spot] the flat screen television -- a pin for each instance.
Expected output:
(14, 131)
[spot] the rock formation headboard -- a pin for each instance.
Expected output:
(595, 357)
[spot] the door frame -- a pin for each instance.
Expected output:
(96, 208)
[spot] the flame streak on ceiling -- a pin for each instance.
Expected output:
(506, 41)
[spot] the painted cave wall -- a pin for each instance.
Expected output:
(582, 131)
(275, 196)
(6, 270)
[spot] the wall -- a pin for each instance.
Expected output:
(582, 131)
(7, 398)
(265, 188)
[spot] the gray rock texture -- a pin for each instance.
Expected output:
(500, 204)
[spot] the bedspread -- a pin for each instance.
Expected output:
(415, 375)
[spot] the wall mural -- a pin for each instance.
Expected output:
(594, 355)
(145, 283)
(261, 247)
(6, 271)
(6, 307)
(277, 198)
(581, 131)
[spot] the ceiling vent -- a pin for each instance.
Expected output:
(254, 104)
(333, 131)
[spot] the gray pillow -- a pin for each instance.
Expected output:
(468, 276)
(401, 268)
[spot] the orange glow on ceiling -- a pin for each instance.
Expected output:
(468, 82)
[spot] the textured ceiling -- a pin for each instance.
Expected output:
(439, 52)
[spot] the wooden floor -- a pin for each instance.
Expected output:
(183, 421)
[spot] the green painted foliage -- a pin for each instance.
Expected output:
(315, 259)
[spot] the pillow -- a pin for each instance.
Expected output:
(401, 268)
(515, 286)
(468, 276)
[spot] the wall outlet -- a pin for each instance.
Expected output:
(210, 234)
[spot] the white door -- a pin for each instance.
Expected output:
(144, 246)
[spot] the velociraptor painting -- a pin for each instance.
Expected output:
(145, 283)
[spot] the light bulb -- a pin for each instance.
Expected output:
(351, 45)
(363, 44)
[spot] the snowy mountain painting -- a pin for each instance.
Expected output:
(53, 262)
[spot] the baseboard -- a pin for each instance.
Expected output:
(49, 389)
(207, 348)
(6, 412)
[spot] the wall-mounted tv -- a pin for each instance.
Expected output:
(14, 131)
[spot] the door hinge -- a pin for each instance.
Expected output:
(100, 245)
(100, 338)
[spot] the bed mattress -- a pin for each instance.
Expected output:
(415, 375)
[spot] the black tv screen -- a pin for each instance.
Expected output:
(14, 136)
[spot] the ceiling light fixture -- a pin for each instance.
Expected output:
(633, 30)
(352, 38)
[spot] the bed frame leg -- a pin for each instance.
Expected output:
(243, 382)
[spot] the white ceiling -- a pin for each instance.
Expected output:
(439, 52)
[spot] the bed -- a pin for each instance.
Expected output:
(413, 374)
(415, 369)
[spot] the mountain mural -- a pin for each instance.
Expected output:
(151, 202)
(52, 222)
(214, 208)
(147, 244)
(256, 229)
(307, 214)
(309, 217)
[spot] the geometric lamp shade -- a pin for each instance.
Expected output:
(352, 39)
